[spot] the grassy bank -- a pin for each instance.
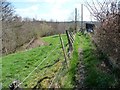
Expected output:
(69, 79)
(18, 65)
(97, 74)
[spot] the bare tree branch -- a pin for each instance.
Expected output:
(7, 11)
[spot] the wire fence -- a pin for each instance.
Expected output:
(57, 76)
(36, 67)
(70, 38)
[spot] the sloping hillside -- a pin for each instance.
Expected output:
(44, 66)
(19, 65)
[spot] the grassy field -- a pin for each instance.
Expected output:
(18, 65)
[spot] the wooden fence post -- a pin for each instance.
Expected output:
(63, 48)
(71, 36)
(69, 41)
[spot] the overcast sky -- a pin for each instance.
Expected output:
(60, 10)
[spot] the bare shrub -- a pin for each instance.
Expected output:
(8, 40)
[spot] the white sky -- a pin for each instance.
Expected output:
(60, 10)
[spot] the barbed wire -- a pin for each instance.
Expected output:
(55, 76)
(37, 66)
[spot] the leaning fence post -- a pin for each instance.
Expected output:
(69, 41)
(63, 48)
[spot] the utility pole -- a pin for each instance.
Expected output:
(82, 17)
(75, 19)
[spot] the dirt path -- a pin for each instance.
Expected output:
(80, 74)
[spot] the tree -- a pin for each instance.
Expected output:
(102, 10)
(107, 36)
(7, 10)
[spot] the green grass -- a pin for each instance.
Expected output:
(95, 77)
(19, 65)
(69, 81)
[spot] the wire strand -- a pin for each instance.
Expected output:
(37, 66)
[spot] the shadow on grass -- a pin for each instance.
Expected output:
(95, 77)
